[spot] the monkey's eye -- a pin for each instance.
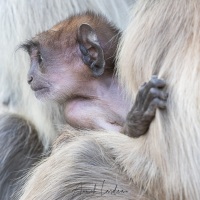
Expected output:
(40, 58)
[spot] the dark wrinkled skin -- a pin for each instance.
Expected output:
(150, 97)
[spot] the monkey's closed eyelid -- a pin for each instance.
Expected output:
(40, 58)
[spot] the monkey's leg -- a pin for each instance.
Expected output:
(150, 97)
(20, 149)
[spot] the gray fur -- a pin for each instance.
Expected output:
(20, 150)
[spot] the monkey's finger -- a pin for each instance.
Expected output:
(139, 97)
(156, 103)
(153, 83)
(154, 93)
(156, 82)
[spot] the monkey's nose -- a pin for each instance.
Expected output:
(30, 79)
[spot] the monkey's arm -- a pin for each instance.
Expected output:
(150, 97)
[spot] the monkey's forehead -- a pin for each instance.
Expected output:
(56, 38)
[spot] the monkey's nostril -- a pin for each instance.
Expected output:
(30, 79)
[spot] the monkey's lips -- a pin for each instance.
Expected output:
(40, 91)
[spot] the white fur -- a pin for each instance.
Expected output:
(165, 40)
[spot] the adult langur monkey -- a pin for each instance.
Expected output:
(32, 125)
(163, 164)
(73, 62)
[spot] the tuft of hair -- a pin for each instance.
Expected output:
(163, 38)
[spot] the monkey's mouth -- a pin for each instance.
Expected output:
(40, 91)
(36, 89)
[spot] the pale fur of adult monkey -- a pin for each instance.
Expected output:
(162, 38)
(20, 20)
(170, 43)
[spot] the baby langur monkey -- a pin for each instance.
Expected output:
(73, 63)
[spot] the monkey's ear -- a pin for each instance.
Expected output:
(92, 53)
